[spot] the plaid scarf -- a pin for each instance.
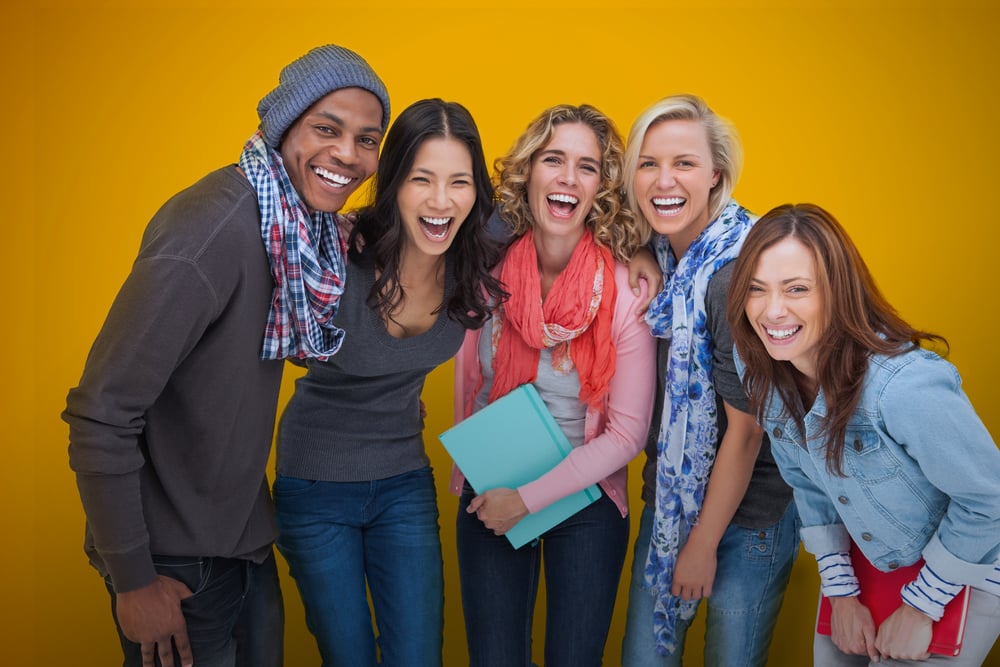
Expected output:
(574, 321)
(307, 257)
(689, 425)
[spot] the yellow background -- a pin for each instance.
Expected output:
(883, 112)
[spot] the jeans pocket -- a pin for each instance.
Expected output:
(290, 487)
(194, 572)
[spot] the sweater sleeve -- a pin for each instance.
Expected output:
(160, 313)
(630, 406)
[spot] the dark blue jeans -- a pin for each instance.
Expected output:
(583, 558)
(235, 617)
(339, 536)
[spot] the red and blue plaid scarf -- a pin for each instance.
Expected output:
(307, 254)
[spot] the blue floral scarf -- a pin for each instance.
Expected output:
(688, 428)
(307, 256)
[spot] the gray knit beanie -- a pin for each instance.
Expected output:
(310, 78)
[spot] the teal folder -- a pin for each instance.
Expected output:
(512, 441)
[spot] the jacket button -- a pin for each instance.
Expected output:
(761, 535)
(867, 537)
(843, 500)
(893, 565)
(857, 445)
(776, 432)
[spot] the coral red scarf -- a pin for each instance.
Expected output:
(575, 319)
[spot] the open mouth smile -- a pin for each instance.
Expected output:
(782, 334)
(332, 179)
(435, 229)
(562, 205)
(667, 206)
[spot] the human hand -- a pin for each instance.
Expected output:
(852, 628)
(905, 635)
(644, 266)
(151, 616)
(694, 572)
(499, 509)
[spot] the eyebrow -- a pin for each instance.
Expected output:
(562, 153)
(793, 279)
(337, 120)
(424, 170)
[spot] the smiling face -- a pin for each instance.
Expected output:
(437, 195)
(673, 180)
(565, 178)
(333, 148)
(785, 305)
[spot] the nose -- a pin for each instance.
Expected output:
(345, 150)
(568, 174)
(666, 179)
(438, 198)
(776, 309)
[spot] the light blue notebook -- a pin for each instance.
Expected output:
(512, 441)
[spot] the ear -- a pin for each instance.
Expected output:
(716, 175)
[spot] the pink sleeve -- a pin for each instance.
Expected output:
(629, 409)
(466, 381)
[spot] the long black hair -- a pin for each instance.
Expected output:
(380, 225)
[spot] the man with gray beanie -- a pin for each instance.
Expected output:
(171, 424)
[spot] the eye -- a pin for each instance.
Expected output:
(685, 164)
(551, 159)
(419, 179)
(798, 290)
(370, 142)
(646, 164)
(756, 289)
(461, 182)
(586, 166)
(327, 129)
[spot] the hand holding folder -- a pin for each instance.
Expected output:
(512, 441)
(880, 592)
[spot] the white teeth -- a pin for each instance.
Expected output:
(566, 199)
(781, 334)
(668, 201)
(441, 223)
(335, 179)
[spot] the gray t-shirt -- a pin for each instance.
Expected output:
(356, 417)
(768, 495)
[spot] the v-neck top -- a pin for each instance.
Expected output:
(356, 416)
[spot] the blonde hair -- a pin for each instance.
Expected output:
(723, 141)
(611, 223)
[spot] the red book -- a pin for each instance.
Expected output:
(880, 592)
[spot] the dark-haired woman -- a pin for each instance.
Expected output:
(354, 494)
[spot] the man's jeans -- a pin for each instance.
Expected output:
(235, 617)
(336, 536)
(750, 578)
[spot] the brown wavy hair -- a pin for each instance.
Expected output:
(610, 221)
(859, 322)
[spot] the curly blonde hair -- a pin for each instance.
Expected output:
(612, 224)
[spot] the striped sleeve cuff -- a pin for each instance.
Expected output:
(929, 593)
(836, 575)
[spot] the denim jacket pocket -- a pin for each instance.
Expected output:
(866, 457)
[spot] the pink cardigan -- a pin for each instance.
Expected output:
(613, 434)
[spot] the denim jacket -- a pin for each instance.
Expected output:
(922, 474)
